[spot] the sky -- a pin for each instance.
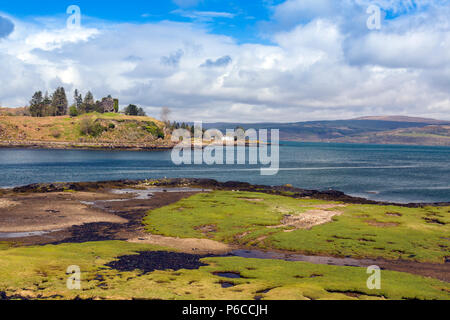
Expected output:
(234, 61)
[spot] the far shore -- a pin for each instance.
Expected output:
(103, 146)
(58, 145)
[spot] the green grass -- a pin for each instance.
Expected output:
(419, 234)
(40, 272)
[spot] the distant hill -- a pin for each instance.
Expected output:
(404, 119)
(94, 130)
(14, 111)
(377, 130)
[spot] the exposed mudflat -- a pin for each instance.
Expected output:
(44, 212)
(82, 216)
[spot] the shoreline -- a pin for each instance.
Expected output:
(289, 191)
(55, 145)
(100, 146)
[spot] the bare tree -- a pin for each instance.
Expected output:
(165, 114)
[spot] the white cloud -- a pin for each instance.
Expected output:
(203, 15)
(320, 65)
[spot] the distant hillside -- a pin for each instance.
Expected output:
(391, 130)
(14, 111)
(404, 119)
(89, 130)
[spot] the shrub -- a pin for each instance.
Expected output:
(154, 130)
(73, 112)
(88, 126)
(55, 133)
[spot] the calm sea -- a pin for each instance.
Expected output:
(390, 173)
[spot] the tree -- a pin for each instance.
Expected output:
(116, 105)
(141, 112)
(59, 102)
(131, 110)
(78, 100)
(73, 111)
(36, 105)
(47, 105)
(88, 103)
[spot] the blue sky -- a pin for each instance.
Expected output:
(238, 60)
(244, 20)
(240, 19)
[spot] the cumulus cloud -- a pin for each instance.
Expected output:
(6, 27)
(322, 63)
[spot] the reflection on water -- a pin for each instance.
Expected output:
(13, 235)
(349, 262)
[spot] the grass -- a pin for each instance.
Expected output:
(68, 129)
(40, 272)
(370, 231)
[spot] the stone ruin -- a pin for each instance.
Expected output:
(108, 105)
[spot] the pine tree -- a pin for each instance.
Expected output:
(88, 103)
(36, 105)
(59, 102)
(78, 101)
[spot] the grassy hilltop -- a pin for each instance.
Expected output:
(89, 129)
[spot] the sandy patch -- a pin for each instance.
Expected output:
(45, 215)
(326, 206)
(198, 246)
(307, 220)
(5, 203)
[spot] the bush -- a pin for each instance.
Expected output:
(73, 112)
(154, 130)
(111, 126)
(89, 127)
(55, 133)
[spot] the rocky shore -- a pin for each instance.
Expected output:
(58, 145)
(287, 190)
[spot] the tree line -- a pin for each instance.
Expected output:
(43, 105)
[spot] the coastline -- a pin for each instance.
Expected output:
(56, 145)
(101, 146)
(289, 191)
